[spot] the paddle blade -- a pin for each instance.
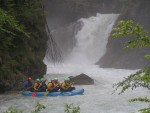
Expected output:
(45, 94)
(34, 94)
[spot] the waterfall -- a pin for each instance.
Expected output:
(92, 39)
(91, 42)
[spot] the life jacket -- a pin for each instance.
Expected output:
(65, 85)
(55, 84)
(36, 86)
(50, 85)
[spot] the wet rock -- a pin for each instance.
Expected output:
(82, 79)
(2, 89)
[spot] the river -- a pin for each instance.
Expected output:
(97, 98)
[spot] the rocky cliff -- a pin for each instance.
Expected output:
(62, 14)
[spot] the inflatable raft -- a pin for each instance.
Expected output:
(40, 94)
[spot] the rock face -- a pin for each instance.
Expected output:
(139, 12)
(82, 79)
(2, 89)
(62, 13)
(64, 36)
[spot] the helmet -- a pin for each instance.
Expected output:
(66, 79)
(37, 79)
(42, 79)
(29, 78)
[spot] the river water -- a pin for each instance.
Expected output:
(97, 98)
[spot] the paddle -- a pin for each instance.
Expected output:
(34, 94)
(25, 89)
(46, 93)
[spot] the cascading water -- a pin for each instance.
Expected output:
(92, 39)
(90, 46)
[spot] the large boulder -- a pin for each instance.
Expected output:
(82, 79)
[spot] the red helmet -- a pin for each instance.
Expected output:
(29, 78)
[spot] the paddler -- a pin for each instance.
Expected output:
(66, 85)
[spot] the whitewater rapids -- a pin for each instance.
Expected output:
(98, 98)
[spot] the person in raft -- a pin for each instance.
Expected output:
(56, 84)
(36, 85)
(27, 85)
(42, 86)
(53, 86)
(66, 85)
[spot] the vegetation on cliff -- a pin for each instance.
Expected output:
(139, 38)
(23, 40)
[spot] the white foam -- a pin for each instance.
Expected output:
(92, 39)
(90, 46)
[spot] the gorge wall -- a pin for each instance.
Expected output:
(63, 16)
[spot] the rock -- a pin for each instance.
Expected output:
(2, 89)
(82, 79)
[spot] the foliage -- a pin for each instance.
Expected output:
(13, 110)
(38, 108)
(139, 79)
(147, 57)
(145, 110)
(7, 20)
(139, 38)
(23, 39)
(140, 99)
(10, 31)
(70, 108)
